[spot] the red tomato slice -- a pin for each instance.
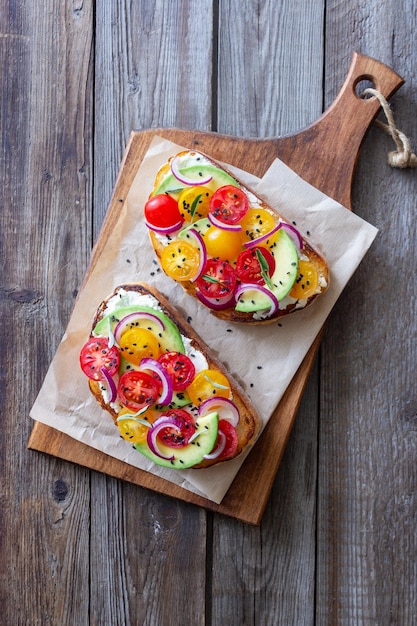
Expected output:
(178, 438)
(249, 268)
(137, 390)
(217, 280)
(179, 367)
(231, 439)
(229, 204)
(95, 355)
(162, 211)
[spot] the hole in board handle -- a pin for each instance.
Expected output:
(361, 84)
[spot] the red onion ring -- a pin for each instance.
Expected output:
(223, 225)
(164, 231)
(123, 324)
(110, 383)
(203, 253)
(184, 179)
(160, 424)
(216, 304)
(219, 446)
(226, 409)
(261, 289)
(165, 397)
(293, 234)
(255, 242)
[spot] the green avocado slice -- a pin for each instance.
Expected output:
(191, 454)
(170, 338)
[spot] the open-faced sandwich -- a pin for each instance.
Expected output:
(166, 392)
(226, 246)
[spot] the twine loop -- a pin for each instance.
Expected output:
(403, 156)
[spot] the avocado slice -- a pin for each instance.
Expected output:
(169, 338)
(179, 399)
(173, 186)
(201, 226)
(286, 265)
(283, 278)
(191, 454)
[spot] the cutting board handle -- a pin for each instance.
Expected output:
(328, 149)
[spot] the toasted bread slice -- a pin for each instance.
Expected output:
(272, 269)
(226, 420)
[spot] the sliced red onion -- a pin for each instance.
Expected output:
(160, 424)
(165, 397)
(202, 249)
(184, 179)
(110, 383)
(261, 289)
(255, 242)
(219, 224)
(294, 234)
(226, 409)
(164, 231)
(218, 447)
(216, 304)
(131, 318)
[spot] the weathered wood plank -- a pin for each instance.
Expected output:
(265, 62)
(153, 68)
(45, 197)
(367, 509)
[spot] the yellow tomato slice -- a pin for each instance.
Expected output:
(139, 343)
(180, 260)
(255, 223)
(207, 384)
(222, 243)
(194, 203)
(306, 282)
(133, 428)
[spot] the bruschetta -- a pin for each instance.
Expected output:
(226, 246)
(168, 395)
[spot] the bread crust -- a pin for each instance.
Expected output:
(249, 425)
(230, 314)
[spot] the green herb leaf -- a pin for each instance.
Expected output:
(194, 205)
(264, 268)
(217, 385)
(211, 279)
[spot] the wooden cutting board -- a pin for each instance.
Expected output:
(325, 155)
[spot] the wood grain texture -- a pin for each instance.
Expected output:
(46, 145)
(337, 544)
(367, 507)
(154, 548)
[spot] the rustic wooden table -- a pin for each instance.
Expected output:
(337, 543)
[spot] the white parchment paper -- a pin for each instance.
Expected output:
(263, 358)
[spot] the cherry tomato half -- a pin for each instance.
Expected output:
(138, 343)
(257, 222)
(180, 368)
(252, 265)
(231, 439)
(162, 211)
(194, 203)
(222, 243)
(174, 437)
(132, 428)
(95, 355)
(307, 280)
(229, 204)
(207, 384)
(217, 280)
(137, 390)
(180, 260)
